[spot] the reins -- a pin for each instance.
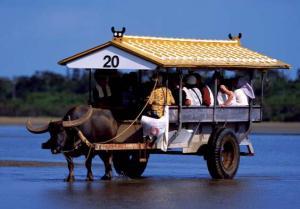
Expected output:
(92, 145)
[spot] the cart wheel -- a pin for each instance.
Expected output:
(128, 163)
(223, 155)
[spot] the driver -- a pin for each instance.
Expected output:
(160, 97)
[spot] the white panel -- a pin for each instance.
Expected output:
(111, 58)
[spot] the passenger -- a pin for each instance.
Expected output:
(159, 98)
(191, 93)
(225, 95)
(128, 93)
(174, 86)
(207, 95)
(102, 92)
(242, 92)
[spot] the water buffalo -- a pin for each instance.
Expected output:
(97, 125)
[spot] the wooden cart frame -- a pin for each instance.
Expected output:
(214, 132)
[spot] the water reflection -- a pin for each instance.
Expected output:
(153, 193)
(270, 179)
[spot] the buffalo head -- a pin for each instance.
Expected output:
(62, 133)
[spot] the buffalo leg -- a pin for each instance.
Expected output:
(70, 177)
(107, 159)
(88, 165)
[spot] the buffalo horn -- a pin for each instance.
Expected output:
(79, 121)
(240, 35)
(113, 29)
(38, 130)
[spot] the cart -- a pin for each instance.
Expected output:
(220, 134)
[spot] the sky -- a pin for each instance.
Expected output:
(36, 34)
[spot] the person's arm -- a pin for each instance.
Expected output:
(188, 102)
(205, 96)
(229, 94)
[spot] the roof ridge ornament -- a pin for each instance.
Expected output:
(118, 34)
(235, 38)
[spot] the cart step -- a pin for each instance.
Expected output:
(247, 142)
(246, 154)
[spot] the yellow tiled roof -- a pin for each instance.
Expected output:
(195, 53)
(175, 52)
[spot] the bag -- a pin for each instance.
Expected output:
(157, 128)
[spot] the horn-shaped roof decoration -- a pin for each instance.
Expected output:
(152, 52)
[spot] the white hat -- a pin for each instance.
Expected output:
(248, 90)
(191, 80)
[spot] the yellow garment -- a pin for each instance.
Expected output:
(159, 98)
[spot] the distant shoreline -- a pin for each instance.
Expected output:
(259, 128)
(276, 128)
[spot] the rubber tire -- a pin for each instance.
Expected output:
(127, 163)
(223, 142)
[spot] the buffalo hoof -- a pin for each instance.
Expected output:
(106, 178)
(70, 179)
(89, 178)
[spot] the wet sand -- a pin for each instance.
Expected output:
(33, 178)
(255, 191)
(177, 186)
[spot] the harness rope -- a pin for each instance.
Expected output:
(92, 145)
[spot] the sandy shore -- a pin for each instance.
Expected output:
(277, 127)
(263, 127)
(22, 120)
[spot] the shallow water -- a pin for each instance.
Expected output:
(270, 179)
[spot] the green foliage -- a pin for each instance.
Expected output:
(6, 88)
(282, 98)
(50, 94)
(42, 94)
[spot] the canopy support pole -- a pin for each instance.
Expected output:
(90, 86)
(180, 100)
(251, 100)
(263, 75)
(215, 95)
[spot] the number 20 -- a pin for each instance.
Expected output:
(111, 61)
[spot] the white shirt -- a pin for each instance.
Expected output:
(221, 97)
(194, 95)
(100, 90)
(241, 98)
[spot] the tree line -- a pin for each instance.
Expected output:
(47, 93)
(43, 94)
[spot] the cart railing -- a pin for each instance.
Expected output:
(222, 114)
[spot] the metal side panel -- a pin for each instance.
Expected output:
(196, 142)
(182, 140)
(222, 114)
